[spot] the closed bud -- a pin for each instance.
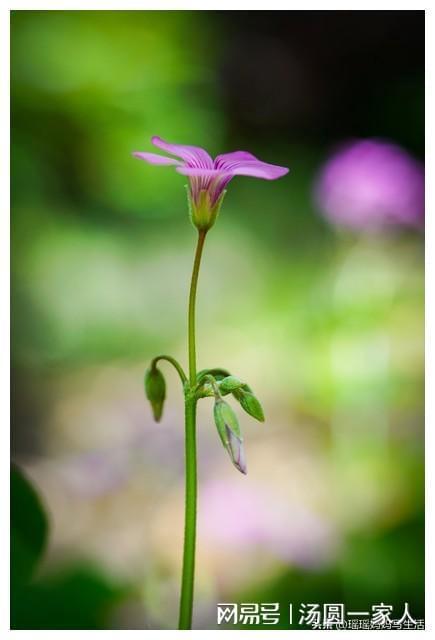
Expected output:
(250, 404)
(230, 384)
(224, 416)
(229, 432)
(155, 390)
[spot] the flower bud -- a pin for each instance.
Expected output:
(229, 384)
(203, 210)
(155, 390)
(250, 404)
(229, 432)
(237, 451)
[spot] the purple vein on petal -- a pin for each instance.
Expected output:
(193, 156)
(243, 163)
(234, 156)
(212, 180)
(155, 158)
(198, 171)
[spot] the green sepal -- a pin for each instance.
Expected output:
(229, 433)
(155, 390)
(202, 212)
(224, 418)
(225, 385)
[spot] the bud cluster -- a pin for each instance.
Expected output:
(225, 419)
(215, 383)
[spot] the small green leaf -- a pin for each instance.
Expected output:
(155, 390)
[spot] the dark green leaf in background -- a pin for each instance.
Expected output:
(29, 527)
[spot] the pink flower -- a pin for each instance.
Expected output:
(208, 178)
(371, 185)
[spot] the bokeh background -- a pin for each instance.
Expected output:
(311, 290)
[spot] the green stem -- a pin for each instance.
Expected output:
(192, 304)
(188, 576)
(175, 364)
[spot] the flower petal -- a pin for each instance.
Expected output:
(154, 158)
(243, 163)
(192, 156)
(261, 170)
(235, 156)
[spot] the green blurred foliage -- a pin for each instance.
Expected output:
(77, 598)
(80, 597)
(372, 566)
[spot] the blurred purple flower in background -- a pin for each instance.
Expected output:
(371, 184)
(291, 532)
